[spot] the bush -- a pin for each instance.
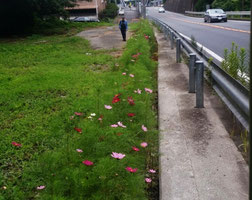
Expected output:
(110, 11)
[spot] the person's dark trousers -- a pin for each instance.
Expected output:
(123, 34)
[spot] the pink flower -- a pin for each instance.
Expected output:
(100, 118)
(139, 91)
(124, 73)
(114, 125)
(41, 187)
(118, 155)
(78, 113)
(78, 130)
(121, 124)
(16, 144)
(135, 149)
(131, 169)
(144, 128)
(148, 180)
(152, 171)
(132, 75)
(72, 117)
(108, 107)
(87, 162)
(79, 150)
(131, 101)
(144, 144)
(148, 90)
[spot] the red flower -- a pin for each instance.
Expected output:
(78, 114)
(131, 114)
(135, 149)
(87, 162)
(78, 130)
(131, 101)
(136, 55)
(146, 37)
(131, 169)
(116, 98)
(16, 144)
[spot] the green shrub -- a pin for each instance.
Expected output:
(110, 12)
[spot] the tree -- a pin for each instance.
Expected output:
(201, 4)
(232, 5)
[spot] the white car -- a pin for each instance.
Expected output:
(161, 10)
(121, 11)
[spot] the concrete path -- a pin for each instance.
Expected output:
(198, 160)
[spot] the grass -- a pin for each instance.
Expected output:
(44, 81)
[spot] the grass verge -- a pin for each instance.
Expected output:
(53, 119)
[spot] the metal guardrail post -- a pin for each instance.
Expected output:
(178, 49)
(192, 72)
(199, 84)
(172, 42)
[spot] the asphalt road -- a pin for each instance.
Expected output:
(214, 36)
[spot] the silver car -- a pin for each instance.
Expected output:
(215, 15)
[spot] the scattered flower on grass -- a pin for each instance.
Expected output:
(144, 144)
(136, 55)
(41, 187)
(114, 125)
(90, 117)
(148, 90)
(108, 107)
(4, 187)
(135, 149)
(132, 75)
(79, 150)
(152, 171)
(131, 169)
(138, 91)
(93, 114)
(87, 162)
(148, 180)
(146, 37)
(132, 60)
(124, 73)
(16, 144)
(72, 117)
(131, 114)
(78, 129)
(100, 118)
(118, 155)
(131, 101)
(144, 128)
(119, 134)
(121, 124)
(116, 98)
(78, 113)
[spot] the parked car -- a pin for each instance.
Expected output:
(215, 15)
(121, 11)
(85, 19)
(161, 10)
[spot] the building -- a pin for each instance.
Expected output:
(87, 8)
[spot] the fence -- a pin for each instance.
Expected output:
(229, 13)
(232, 93)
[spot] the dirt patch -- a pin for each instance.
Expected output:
(105, 37)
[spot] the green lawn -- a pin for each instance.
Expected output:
(44, 81)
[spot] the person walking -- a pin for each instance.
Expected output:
(123, 26)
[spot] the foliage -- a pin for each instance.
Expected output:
(18, 17)
(44, 81)
(232, 5)
(201, 4)
(110, 11)
(235, 64)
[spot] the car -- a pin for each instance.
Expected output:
(121, 11)
(85, 19)
(161, 10)
(215, 15)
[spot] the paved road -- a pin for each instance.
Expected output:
(214, 36)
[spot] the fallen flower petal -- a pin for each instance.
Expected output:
(16, 144)
(132, 75)
(131, 114)
(92, 114)
(87, 162)
(118, 155)
(124, 73)
(41, 187)
(135, 149)
(100, 118)
(148, 180)
(79, 150)
(114, 125)
(131, 169)
(78, 113)
(144, 128)
(131, 101)
(108, 107)
(78, 129)
(152, 171)
(121, 124)
(139, 91)
(144, 144)
(72, 117)
(148, 90)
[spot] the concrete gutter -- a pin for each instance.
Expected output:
(198, 160)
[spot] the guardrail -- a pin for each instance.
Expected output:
(229, 13)
(232, 93)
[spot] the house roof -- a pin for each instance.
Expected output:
(83, 5)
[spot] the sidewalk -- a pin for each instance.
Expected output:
(198, 160)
